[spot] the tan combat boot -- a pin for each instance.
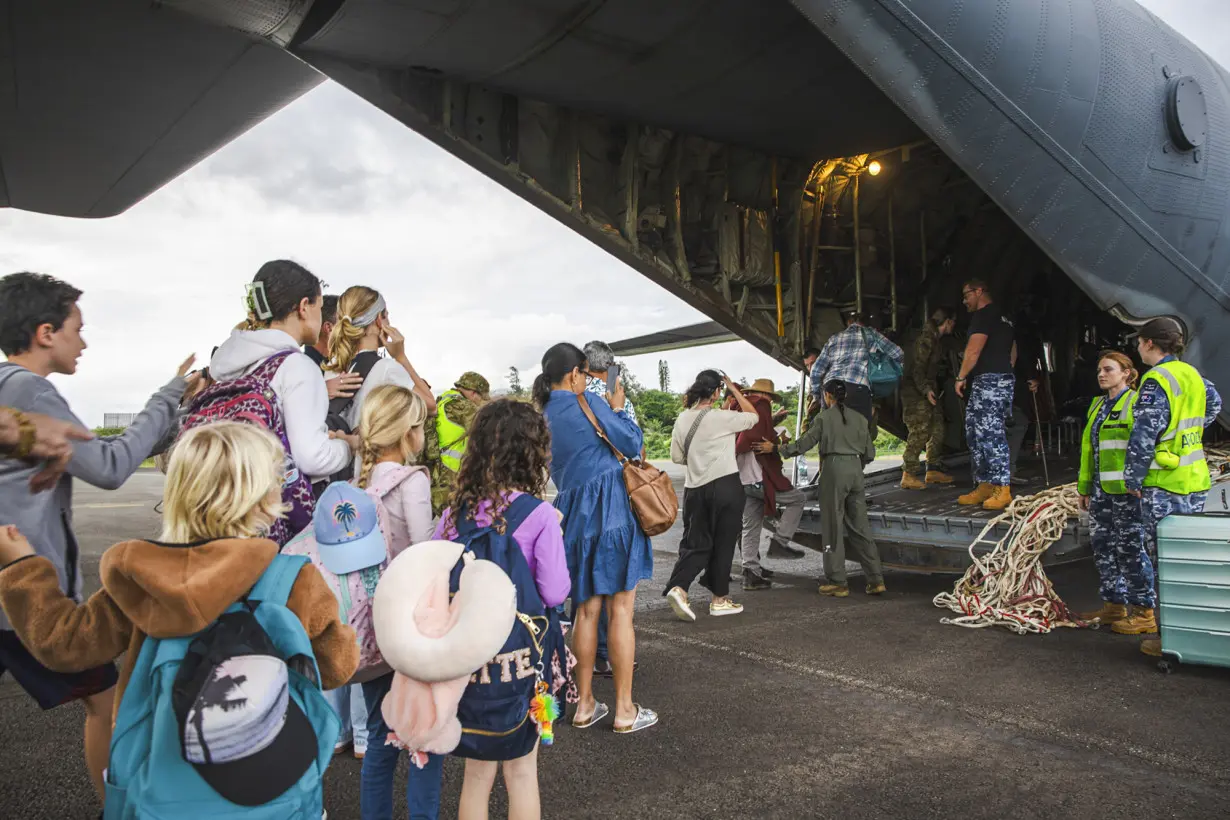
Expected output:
(834, 590)
(1108, 614)
(980, 494)
(1151, 647)
(1140, 622)
(1000, 498)
(909, 481)
(937, 477)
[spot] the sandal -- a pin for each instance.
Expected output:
(644, 719)
(600, 711)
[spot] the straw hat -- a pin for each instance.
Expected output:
(765, 387)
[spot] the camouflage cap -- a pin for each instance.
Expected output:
(473, 381)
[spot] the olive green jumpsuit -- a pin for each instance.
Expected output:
(845, 448)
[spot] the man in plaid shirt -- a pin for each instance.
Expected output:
(845, 357)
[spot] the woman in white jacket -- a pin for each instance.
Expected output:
(284, 314)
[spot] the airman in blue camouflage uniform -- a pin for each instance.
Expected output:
(1116, 530)
(1166, 466)
(987, 379)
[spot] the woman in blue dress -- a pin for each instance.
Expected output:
(608, 553)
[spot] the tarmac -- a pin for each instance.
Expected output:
(801, 707)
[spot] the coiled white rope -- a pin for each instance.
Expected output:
(1007, 586)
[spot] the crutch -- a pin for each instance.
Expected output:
(1046, 473)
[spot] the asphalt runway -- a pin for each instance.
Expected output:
(801, 707)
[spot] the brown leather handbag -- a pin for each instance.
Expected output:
(650, 490)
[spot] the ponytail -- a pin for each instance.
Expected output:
(837, 389)
(557, 362)
(349, 330)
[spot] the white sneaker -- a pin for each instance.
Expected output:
(679, 603)
(727, 607)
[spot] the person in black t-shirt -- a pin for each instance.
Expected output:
(986, 377)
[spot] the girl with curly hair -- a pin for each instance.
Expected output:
(507, 456)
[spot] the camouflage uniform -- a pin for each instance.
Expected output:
(460, 411)
(990, 405)
(924, 420)
(1116, 530)
(1151, 418)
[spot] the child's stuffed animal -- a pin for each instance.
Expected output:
(434, 644)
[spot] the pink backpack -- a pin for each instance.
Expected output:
(355, 590)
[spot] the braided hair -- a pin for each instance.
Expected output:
(389, 415)
(837, 389)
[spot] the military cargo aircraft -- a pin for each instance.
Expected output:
(770, 162)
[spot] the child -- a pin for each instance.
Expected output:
(507, 457)
(846, 448)
(40, 333)
(222, 492)
(391, 429)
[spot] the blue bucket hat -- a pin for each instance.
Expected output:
(347, 530)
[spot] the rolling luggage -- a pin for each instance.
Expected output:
(1194, 589)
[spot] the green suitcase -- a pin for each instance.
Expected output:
(1193, 572)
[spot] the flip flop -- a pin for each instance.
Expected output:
(644, 719)
(600, 711)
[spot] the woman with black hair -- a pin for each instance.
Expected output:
(284, 314)
(608, 552)
(713, 497)
(846, 447)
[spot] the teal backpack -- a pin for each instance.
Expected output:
(149, 777)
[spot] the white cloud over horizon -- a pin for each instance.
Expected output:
(476, 278)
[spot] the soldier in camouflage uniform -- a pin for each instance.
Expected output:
(1166, 466)
(986, 377)
(920, 403)
(455, 408)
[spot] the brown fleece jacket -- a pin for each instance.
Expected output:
(164, 591)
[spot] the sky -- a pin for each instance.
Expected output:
(475, 278)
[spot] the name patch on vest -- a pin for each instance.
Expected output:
(1192, 438)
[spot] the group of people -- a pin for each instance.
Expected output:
(299, 421)
(281, 438)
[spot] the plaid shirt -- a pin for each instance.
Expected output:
(598, 388)
(845, 357)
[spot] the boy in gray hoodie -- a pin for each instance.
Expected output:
(40, 333)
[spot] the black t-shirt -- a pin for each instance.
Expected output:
(996, 354)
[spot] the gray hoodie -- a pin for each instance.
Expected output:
(47, 518)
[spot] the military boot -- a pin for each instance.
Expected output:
(1000, 498)
(1108, 614)
(980, 494)
(1141, 621)
(939, 477)
(909, 481)
(1151, 647)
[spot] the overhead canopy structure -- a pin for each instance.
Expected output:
(771, 163)
(705, 333)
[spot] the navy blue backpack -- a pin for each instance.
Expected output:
(494, 710)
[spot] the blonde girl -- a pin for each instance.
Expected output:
(391, 430)
(223, 493)
(363, 327)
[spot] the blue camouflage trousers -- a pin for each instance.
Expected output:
(1116, 528)
(987, 411)
(1156, 504)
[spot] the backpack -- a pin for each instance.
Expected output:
(336, 419)
(883, 372)
(251, 399)
(494, 711)
(356, 590)
(149, 774)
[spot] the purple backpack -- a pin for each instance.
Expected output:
(250, 399)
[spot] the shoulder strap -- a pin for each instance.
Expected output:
(521, 508)
(279, 577)
(687, 442)
(589, 414)
(267, 369)
(362, 364)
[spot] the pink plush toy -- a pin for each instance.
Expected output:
(435, 644)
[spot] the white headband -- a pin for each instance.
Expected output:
(370, 316)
